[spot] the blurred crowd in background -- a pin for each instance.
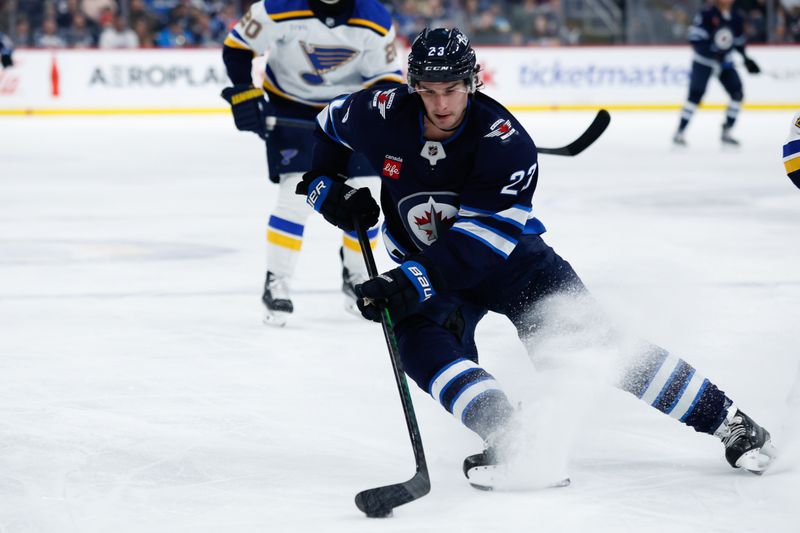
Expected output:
(204, 23)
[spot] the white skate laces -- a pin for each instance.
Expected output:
(747, 445)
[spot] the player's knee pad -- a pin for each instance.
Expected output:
(737, 96)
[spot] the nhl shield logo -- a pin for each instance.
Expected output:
(433, 151)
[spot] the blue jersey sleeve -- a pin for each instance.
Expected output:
(495, 210)
(346, 118)
(701, 33)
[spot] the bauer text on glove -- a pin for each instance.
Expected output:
(400, 290)
(340, 204)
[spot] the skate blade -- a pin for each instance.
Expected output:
(275, 319)
(485, 478)
(758, 460)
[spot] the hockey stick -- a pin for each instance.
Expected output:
(592, 133)
(379, 502)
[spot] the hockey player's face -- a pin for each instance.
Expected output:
(445, 102)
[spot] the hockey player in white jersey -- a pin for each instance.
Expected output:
(791, 151)
(317, 50)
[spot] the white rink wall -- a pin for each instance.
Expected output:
(524, 79)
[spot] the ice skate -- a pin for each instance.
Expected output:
(678, 139)
(727, 139)
(495, 466)
(276, 300)
(747, 445)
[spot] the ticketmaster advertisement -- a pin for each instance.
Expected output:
(189, 81)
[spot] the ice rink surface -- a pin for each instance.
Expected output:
(139, 391)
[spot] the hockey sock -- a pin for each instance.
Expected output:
(472, 395)
(732, 113)
(284, 240)
(686, 114)
(674, 387)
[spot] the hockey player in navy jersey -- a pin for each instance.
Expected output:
(6, 49)
(317, 49)
(458, 174)
(715, 33)
(791, 151)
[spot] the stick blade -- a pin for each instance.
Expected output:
(379, 502)
(592, 133)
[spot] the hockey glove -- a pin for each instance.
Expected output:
(248, 106)
(340, 204)
(6, 60)
(400, 290)
(751, 66)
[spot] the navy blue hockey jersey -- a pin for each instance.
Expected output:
(714, 36)
(463, 202)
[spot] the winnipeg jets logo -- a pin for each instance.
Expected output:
(324, 59)
(382, 100)
(501, 128)
(723, 39)
(433, 151)
(431, 219)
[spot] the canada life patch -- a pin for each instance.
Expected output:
(501, 128)
(391, 166)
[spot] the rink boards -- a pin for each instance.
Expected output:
(525, 79)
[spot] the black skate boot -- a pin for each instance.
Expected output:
(726, 138)
(276, 300)
(747, 445)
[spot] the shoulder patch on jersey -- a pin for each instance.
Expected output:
(797, 123)
(383, 100)
(371, 14)
(501, 128)
(280, 10)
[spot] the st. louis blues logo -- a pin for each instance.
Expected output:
(287, 155)
(324, 59)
